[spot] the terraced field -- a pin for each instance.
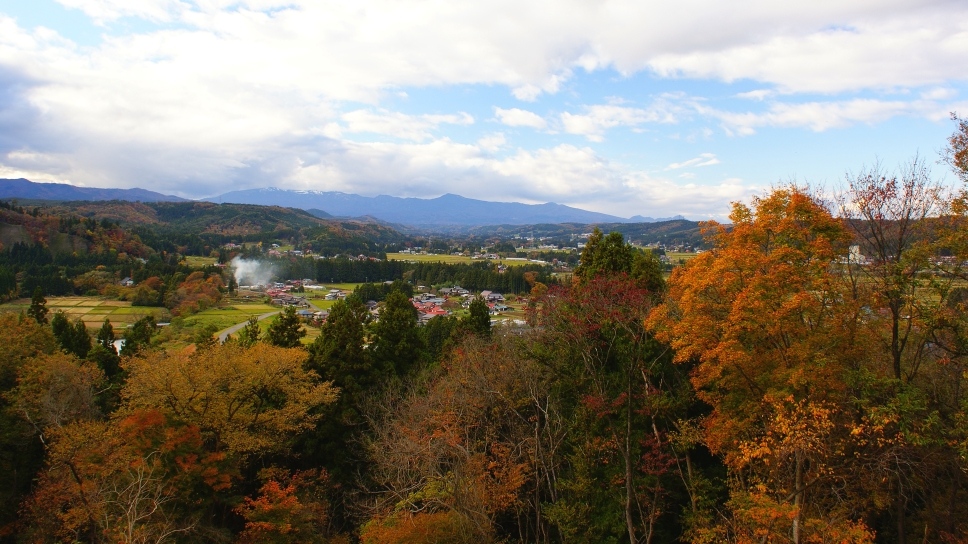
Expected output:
(90, 310)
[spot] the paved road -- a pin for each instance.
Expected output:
(236, 328)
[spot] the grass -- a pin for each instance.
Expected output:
(451, 259)
(90, 310)
(675, 256)
(195, 261)
(227, 316)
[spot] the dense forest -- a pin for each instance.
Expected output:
(803, 382)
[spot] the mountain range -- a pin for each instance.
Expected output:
(25, 189)
(444, 211)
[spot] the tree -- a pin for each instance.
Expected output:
(956, 154)
(138, 337)
(55, 390)
(647, 272)
(105, 335)
(912, 234)
(38, 306)
(205, 336)
(73, 337)
(604, 255)
(286, 330)
(772, 329)
(244, 401)
(478, 321)
(337, 354)
(620, 394)
(889, 215)
(250, 333)
(104, 353)
(397, 345)
(22, 340)
(142, 479)
(451, 456)
(289, 508)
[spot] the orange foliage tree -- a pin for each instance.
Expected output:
(448, 463)
(772, 328)
(143, 478)
(196, 293)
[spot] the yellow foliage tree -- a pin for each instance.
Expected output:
(245, 400)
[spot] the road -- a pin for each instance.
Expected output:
(235, 328)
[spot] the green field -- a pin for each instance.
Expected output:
(676, 256)
(199, 262)
(451, 259)
(90, 310)
(227, 316)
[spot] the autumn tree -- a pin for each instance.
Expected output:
(290, 507)
(451, 456)
(911, 234)
(894, 221)
(956, 153)
(145, 478)
(769, 323)
(620, 394)
(22, 340)
(245, 401)
(55, 390)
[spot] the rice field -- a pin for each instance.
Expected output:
(91, 310)
(451, 259)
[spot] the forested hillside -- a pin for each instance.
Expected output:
(801, 382)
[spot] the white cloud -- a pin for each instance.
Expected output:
(104, 11)
(257, 92)
(595, 120)
(705, 159)
(400, 125)
(515, 117)
(821, 116)
(492, 142)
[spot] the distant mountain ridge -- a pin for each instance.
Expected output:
(446, 210)
(24, 188)
(449, 211)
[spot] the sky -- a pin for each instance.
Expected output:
(637, 107)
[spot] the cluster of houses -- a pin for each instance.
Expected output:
(430, 306)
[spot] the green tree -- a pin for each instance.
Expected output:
(397, 345)
(138, 337)
(205, 336)
(604, 255)
(437, 336)
(38, 306)
(478, 321)
(104, 353)
(250, 333)
(105, 336)
(73, 337)
(337, 353)
(647, 272)
(286, 330)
